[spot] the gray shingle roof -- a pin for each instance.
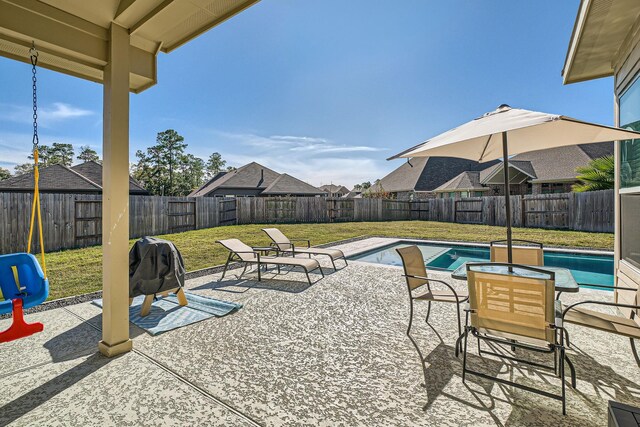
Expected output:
(93, 171)
(427, 173)
(466, 181)
(257, 177)
(288, 185)
(555, 164)
(83, 178)
(333, 189)
(249, 176)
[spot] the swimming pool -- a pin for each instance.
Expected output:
(586, 268)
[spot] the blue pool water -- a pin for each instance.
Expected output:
(586, 268)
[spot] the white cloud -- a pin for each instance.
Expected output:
(315, 160)
(54, 113)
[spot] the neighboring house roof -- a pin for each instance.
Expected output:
(466, 181)
(287, 184)
(254, 176)
(353, 194)
(553, 164)
(62, 179)
(333, 189)
(250, 176)
(427, 173)
(93, 171)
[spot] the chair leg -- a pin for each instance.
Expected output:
(426, 319)
(182, 298)
(334, 264)
(459, 325)
(259, 275)
(572, 369)
(464, 353)
(634, 351)
(226, 265)
(308, 278)
(564, 398)
(566, 335)
(146, 305)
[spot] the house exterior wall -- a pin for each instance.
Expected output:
(627, 73)
(515, 189)
(413, 195)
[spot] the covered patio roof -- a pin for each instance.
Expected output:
(72, 35)
(602, 29)
(115, 43)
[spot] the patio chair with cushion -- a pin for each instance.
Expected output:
(286, 245)
(612, 323)
(530, 254)
(515, 311)
(247, 255)
(420, 287)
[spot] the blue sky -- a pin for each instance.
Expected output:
(326, 90)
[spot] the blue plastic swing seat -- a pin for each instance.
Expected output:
(31, 287)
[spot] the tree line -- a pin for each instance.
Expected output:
(164, 169)
(54, 154)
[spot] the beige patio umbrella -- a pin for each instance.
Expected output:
(507, 131)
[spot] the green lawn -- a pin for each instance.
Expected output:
(78, 271)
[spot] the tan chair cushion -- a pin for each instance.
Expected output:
(308, 263)
(333, 253)
(604, 322)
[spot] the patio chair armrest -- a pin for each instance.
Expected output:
(437, 281)
(608, 304)
(621, 288)
(301, 240)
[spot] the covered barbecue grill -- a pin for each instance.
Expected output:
(155, 266)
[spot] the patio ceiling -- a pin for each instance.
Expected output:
(602, 29)
(72, 35)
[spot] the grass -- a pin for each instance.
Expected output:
(78, 271)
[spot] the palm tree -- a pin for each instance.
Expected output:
(599, 174)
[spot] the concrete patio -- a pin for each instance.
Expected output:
(333, 353)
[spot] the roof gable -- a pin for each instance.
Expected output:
(287, 184)
(468, 180)
(250, 176)
(427, 173)
(93, 171)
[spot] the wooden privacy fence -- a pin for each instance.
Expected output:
(75, 220)
(592, 211)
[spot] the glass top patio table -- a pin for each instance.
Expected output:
(565, 282)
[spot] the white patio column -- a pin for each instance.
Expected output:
(115, 197)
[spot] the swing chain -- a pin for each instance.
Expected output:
(34, 61)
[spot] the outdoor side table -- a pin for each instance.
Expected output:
(265, 251)
(565, 282)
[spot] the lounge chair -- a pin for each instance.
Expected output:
(247, 255)
(533, 254)
(420, 286)
(516, 311)
(612, 323)
(286, 245)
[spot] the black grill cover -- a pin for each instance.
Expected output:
(155, 265)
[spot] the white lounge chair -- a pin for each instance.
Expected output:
(286, 245)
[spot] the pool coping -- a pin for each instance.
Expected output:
(394, 240)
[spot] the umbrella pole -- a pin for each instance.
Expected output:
(507, 194)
